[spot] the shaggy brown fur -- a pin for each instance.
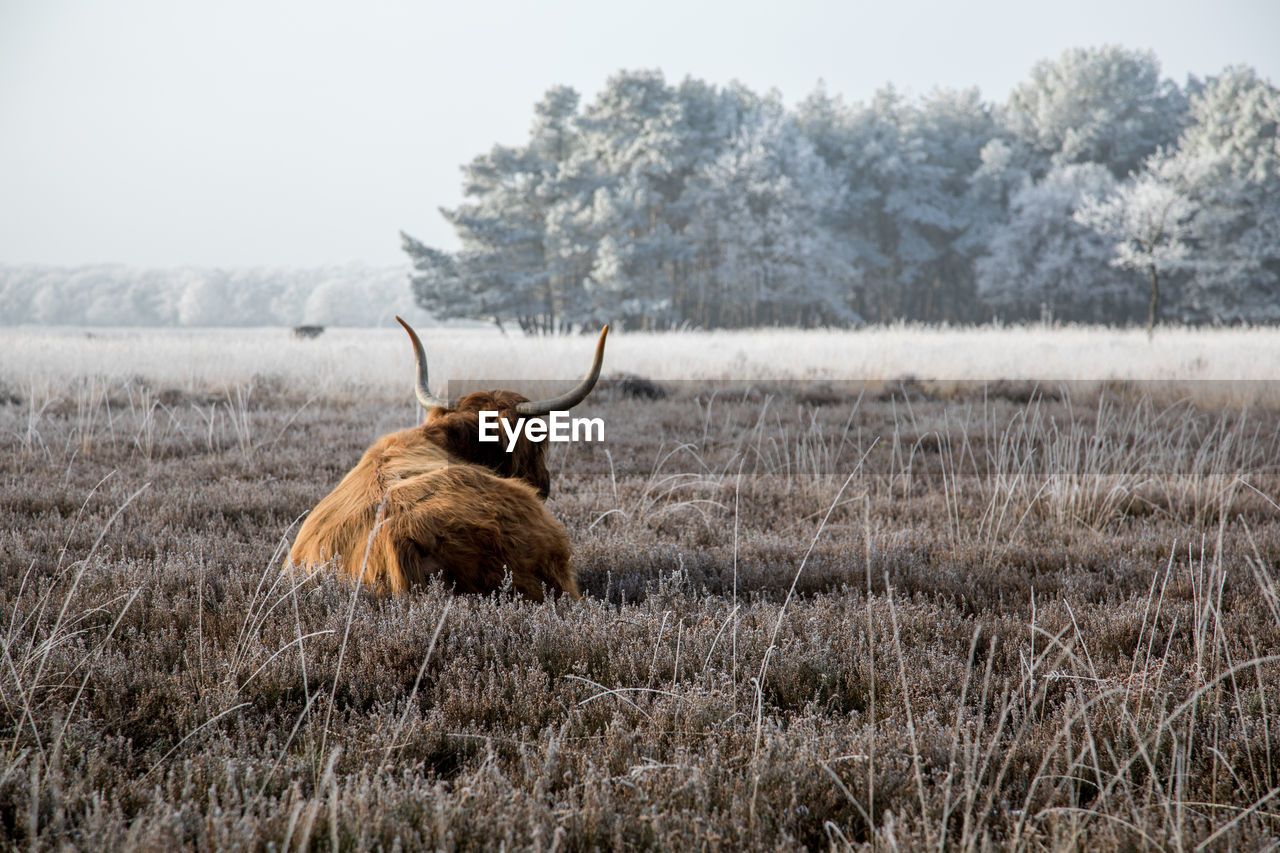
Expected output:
(434, 500)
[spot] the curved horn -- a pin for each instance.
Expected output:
(574, 397)
(426, 399)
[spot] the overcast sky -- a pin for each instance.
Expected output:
(246, 132)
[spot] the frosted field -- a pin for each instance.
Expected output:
(49, 360)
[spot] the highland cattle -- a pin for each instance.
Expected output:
(436, 501)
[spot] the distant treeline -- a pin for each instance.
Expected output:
(1095, 188)
(114, 295)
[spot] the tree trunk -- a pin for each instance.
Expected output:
(1155, 302)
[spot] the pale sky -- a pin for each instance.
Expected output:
(256, 132)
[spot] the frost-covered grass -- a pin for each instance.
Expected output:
(813, 619)
(378, 360)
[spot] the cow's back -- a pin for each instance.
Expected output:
(434, 515)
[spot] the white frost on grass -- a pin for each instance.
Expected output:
(380, 360)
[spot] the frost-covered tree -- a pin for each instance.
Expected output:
(559, 187)
(1000, 174)
(437, 286)
(1041, 262)
(203, 299)
(1147, 218)
(518, 261)
(628, 136)
(868, 163)
(586, 223)
(656, 205)
(764, 203)
(942, 206)
(1228, 165)
(715, 122)
(115, 295)
(501, 227)
(647, 139)
(1104, 105)
(908, 214)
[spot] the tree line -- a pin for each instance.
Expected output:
(118, 295)
(1099, 192)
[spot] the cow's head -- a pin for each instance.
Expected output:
(455, 424)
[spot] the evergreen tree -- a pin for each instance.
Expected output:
(764, 202)
(1041, 263)
(658, 205)
(631, 134)
(1227, 163)
(1103, 105)
(503, 258)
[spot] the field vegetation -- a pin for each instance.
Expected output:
(818, 613)
(46, 361)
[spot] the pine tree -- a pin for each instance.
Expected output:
(764, 202)
(630, 134)
(1041, 263)
(1228, 165)
(1104, 105)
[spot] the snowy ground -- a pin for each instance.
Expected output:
(379, 360)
